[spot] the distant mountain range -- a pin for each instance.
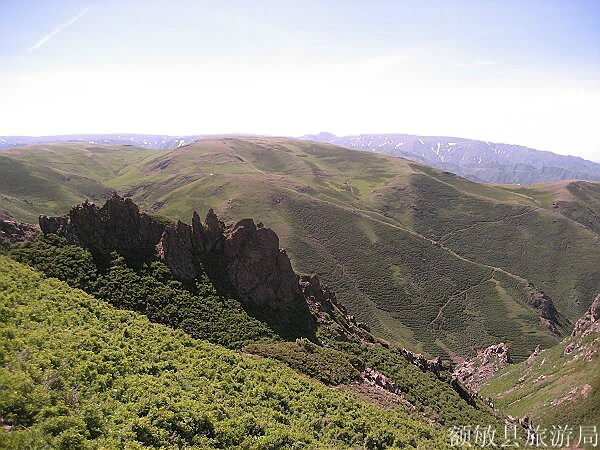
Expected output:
(154, 141)
(479, 161)
(476, 160)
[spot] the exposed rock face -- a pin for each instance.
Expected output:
(212, 232)
(590, 322)
(323, 305)
(475, 371)
(175, 249)
(549, 316)
(380, 381)
(60, 225)
(118, 225)
(433, 365)
(12, 231)
(257, 270)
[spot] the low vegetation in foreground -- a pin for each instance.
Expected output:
(75, 373)
(204, 314)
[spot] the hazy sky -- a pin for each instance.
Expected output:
(522, 72)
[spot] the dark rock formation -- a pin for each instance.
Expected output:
(212, 231)
(248, 256)
(473, 372)
(117, 226)
(257, 268)
(12, 231)
(175, 249)
(590, 322)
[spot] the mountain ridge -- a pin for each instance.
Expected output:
(474, 159)
(481, 161)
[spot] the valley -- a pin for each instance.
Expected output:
(428, 260)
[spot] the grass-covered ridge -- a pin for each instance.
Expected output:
(76, 373)
(410, 250)
(561, 385)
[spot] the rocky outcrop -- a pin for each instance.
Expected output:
(12, 231)
(434, 365)
(473, 372)
(549, 316)
(117, 226)
(378, 380)
(175, 249)
(324, 306)
(245, 254)
(590, 322)
(258, 269)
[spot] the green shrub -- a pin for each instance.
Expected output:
(324, 364)
(104, 378)
(150, 289)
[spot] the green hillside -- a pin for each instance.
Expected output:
(559, 386)
(428, 259)
(50, 179)
(203, 313)
(77, 374)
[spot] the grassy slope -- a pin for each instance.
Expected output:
(366, 224)
(51, 178)
(530, 388)
(76, 374)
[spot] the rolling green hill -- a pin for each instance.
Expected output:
(50, 179)
(428, 259)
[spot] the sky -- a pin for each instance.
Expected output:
(522, 72)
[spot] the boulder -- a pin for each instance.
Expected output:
(473, 372)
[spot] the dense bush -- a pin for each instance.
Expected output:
(325, 364)
(150, 290)
(77, 374)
